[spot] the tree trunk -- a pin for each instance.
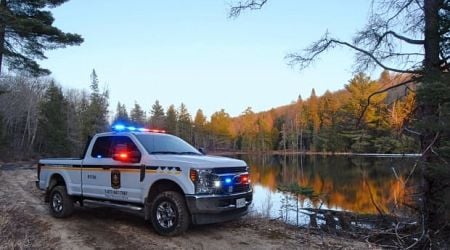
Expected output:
(428, 111)
(2, 35)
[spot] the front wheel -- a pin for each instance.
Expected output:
(169, 214)
(61, 204)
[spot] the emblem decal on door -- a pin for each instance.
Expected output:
(115, 179)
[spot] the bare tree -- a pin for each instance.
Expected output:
(19, 107)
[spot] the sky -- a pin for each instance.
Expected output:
(179, 51)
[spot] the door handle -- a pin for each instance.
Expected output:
(142, 173)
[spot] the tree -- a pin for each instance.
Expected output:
(172, 120)
(19, 107)
(360, 88)
(157, 116)
(220, 127)
(200, 129)
(95, 116)
(26, 30)
(200, 119)
(121, 114)
(328, 111)
(393, 26)
(137, 115)
(313, 113)
(77, 101)
(248, 130)
(53, 123)
(184, 123)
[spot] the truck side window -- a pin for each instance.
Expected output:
(102, 147)
(124, 141)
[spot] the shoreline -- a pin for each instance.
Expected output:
(282, 152)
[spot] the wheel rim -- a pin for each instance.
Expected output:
(57, 203)
(165, 214)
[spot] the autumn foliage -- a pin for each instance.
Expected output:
(340, 121)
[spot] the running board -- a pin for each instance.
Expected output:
(113, 205)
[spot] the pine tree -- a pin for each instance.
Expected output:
(328, 112)
(313, 104)
(313, 116)
(157, 118)
(200, 119)
(26, 30)
(360, 87)
(121, 114)
(172, 120)
(137, 115)
(53, 123)
(184, 123)
(200, 122)
(95, 116)
(248, 130)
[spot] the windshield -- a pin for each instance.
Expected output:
(166, 144)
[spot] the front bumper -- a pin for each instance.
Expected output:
(206, 209)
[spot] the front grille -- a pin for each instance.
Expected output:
(241, 188)
(230, 170)
(233, 173)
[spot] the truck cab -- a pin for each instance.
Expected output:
(173, 183)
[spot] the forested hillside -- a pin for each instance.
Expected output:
(40, 118)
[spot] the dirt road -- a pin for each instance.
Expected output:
(26, 223)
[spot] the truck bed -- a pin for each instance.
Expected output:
(61, 161)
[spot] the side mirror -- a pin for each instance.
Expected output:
(202, 150)
(122, 154)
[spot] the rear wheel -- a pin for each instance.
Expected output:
(169, 214)
(61, 204)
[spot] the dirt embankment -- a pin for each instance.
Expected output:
(26, 223)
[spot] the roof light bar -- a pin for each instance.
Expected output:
(123, 128)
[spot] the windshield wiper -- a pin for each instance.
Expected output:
(188, 153)
(164, 153)
(174, 153)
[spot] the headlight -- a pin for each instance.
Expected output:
(204, 180)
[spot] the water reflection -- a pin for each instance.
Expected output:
(358, 184)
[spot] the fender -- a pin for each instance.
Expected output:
(175, 179)
(50, 183)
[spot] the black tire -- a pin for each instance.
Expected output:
(61, 204)
(169, 214)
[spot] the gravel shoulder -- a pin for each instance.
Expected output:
(26, 223)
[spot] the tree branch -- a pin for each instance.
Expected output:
(400, 10)
(325, 43)
(403, 38)
(379, 92)
(236, 10)
(431, 144)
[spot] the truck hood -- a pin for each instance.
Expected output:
(202, 161)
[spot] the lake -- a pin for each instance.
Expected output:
(343, 183)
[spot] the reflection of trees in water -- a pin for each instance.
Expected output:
(342, 182)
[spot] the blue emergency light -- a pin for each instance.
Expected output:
(118, 127)
(123, 128)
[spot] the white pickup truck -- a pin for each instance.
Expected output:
(173, 183)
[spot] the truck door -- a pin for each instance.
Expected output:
(106, 178)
